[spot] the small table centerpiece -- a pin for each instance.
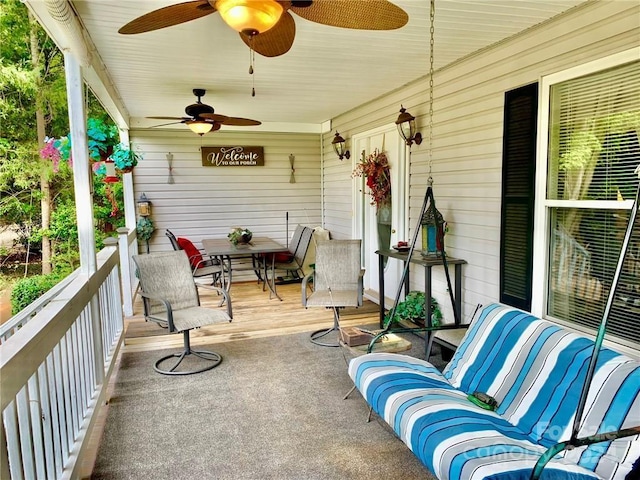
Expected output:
(240, 236)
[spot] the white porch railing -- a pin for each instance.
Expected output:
(54, 372)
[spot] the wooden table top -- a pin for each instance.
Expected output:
(222, 246)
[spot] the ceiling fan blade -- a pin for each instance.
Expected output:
(358, 15)
(241, 122)
(184, 119)
(168, 17)
(164, 124)
(214, 116)
(276, 41)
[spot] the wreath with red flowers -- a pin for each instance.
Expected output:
(375, 169)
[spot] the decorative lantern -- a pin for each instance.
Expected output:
(432, 232)
(339, 147)
(144, 206)
(110, 176)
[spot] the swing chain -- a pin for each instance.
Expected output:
(432, 15)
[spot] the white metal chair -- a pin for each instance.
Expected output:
(170, 298)
(337, 282)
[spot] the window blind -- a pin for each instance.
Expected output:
(594, 149)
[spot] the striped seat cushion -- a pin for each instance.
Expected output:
(535, 370)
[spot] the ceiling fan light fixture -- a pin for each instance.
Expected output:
(250, 16)
(199, 126)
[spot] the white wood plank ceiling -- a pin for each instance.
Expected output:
(328, 71)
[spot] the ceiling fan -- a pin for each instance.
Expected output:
(202, 117)
(267, 26)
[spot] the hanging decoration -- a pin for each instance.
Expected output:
(170, 179)
(110, 176)
(292, 159)
(375, 169)
(433, 230)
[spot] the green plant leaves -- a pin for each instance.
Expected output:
(412, 309)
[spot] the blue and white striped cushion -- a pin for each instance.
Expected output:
(535, 370)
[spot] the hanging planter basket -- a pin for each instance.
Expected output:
(125, 158)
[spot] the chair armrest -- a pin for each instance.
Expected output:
(305, 281)
(361, 286)
(224, 293)
(147, 309)
(205, 262)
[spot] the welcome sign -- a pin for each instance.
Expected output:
(232, 156)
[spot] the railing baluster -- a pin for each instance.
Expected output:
(26, 439)
(47, 436)
(35, 412)
(57, 429)
(10, 419)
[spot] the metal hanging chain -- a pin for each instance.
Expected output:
(432, 16)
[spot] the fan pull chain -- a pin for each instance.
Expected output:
(432, 15)
(252, 59)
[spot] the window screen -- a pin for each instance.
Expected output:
(594, 149)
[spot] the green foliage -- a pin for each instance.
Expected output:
(144, 228)
(240, 235)
(412, 309)
(125, 158)
(583, 146)
(27, 290)
(102, 137)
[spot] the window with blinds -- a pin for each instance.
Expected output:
(593, 152)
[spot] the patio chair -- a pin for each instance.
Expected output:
(293, 265)
(170, 298)
(200, 267)
(337, 282)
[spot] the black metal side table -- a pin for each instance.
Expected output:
(428, 263)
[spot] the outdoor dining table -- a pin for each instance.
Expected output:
(258, 247)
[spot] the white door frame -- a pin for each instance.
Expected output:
(397, 153)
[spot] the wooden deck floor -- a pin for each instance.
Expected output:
(254, 316)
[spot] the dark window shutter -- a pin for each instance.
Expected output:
(518, 182)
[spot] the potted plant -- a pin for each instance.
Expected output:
(145, 229)
(125, 158)
(101, 139)
(239, 235)
(412, 309)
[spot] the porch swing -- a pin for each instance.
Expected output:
(429, 206)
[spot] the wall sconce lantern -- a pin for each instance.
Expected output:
(339, 146)
(144, 206)
(433, 228)
(407, 127)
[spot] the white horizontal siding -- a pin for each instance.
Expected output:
(467, 135)
(205, 202)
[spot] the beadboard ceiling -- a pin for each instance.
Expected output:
(328, 71)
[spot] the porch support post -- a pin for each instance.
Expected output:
(125, 271)
(81, 170)
(82, 183)
(127, 190)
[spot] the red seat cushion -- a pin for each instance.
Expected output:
(195, 257)
(283, 257)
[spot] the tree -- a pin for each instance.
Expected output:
(32, 104)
